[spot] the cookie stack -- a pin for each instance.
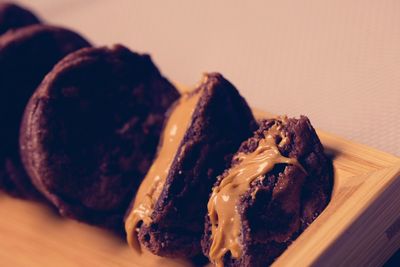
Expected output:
(91, 124)
(103, 136)
(28, 51)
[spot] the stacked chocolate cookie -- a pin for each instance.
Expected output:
(91, 129)
(203, 130)
(103, 136)
(279, 181)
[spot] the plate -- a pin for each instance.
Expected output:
(360, 226)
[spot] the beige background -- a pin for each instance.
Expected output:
(336, 61)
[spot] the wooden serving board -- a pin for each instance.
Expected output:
(360, 226)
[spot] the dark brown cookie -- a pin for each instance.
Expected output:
(278, 183)
(26, 55)
(13, 17)
(203, 130)
(91, 129)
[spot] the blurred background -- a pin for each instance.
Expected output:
(337, 62)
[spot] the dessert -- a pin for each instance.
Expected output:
(278, 183)
(13, 17)
(26, 55)
(109, 141)
(91, 129)
(203, 129)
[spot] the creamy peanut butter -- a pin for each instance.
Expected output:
(152, 185)
(222, 206)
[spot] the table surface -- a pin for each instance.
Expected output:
(337, 62)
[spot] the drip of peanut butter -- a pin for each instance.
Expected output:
(153, 183)
(223, 204)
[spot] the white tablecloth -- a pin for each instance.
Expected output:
(336, 61)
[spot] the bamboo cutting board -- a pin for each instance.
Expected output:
(360, 226)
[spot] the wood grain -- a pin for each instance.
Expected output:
(360, 226)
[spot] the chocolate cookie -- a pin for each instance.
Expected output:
(278, 183)
(13, 16)
(202, 131)
(26, 55)
(91, 129)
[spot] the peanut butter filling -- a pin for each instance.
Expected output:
(153, 183)
(223, 204)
